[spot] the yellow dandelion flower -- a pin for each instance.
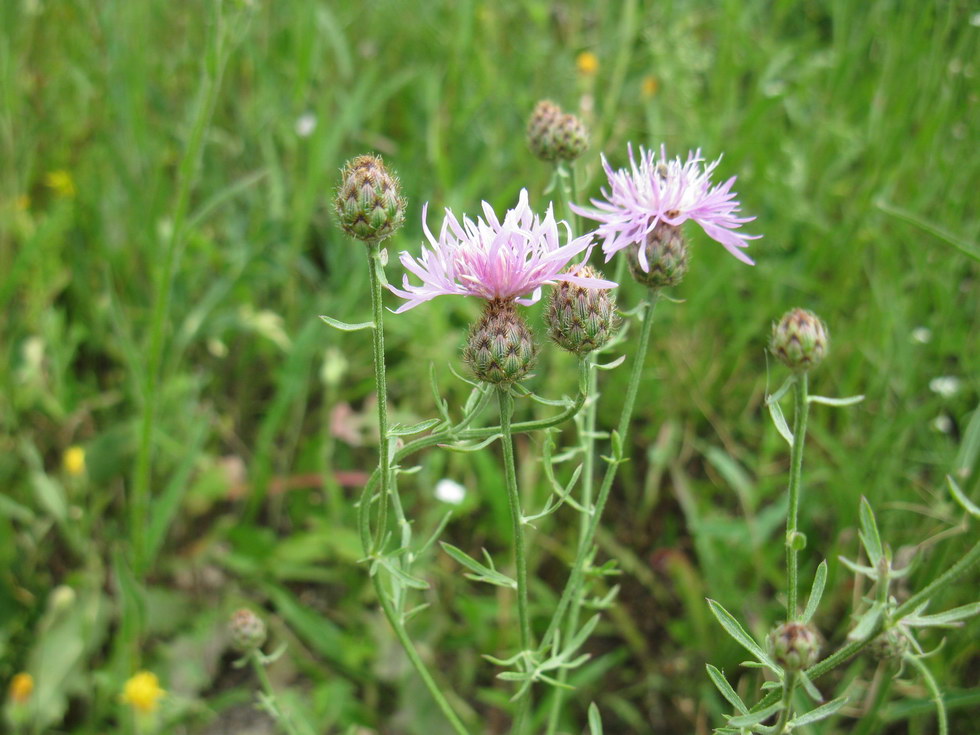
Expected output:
(61, 183)
(21, 687)
(650, 86)
(142, 692)
(74, 461)
(587, 63)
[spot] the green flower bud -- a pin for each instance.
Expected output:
(541, 129)
(247, 630)
(794, 646)
(369, 203)
(571, 137)
(800, 340)
(580, 319)
(891, 644)
(666, 254)
(500, 348)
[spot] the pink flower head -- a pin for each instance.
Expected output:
(493, 259)
(666, 191)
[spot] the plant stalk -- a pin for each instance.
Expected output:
(800, 413)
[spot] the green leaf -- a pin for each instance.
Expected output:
(401, 575)
(595, 720)
(958, 495)
(866, 623)
(820, 713)
(755, 718)
(400, 430)
(465, 447)
(481, 572)
(816, 592)
(869, 533)
(809, 687)
(344, 326)
(945, 618)
(722, 685)
(736, 631)
(612, 365)
(849, 401)
(780, 421)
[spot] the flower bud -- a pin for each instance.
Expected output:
(800, 340)
(794, 646)
(661, 259)
(369, 202)
(247, 630)
(541, 129)
(500, 349)
(571, 137)
(891, 644)
(580, 319)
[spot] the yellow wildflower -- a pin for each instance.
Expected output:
(61, 183)
(74, 461)
(650, 86)
(21, 687)
(22, 203)
(142, 692)
(587, 63)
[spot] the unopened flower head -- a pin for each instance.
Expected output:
(500, 349)
(580, 320)
(794, 646)
(21, 687)
(660, 190)
(247, 630)
(554, 135)
(369, 203)
(800, 340)
(142, 692)
(661, 259)
(496, 260)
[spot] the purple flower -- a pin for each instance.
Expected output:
(493, 259)
(667, 191)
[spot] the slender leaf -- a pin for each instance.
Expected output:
(849, 401)
(816, 592)
(736, 631)
(722, 685)
(820, 713)
(595, 720)
(481, 572)
(945, 618)
(399, 430)
(780, 421)
(869, 533)
(969, 506)
(755, 718)
(344, 326)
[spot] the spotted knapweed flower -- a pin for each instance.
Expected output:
(507, 260)
(666, 191)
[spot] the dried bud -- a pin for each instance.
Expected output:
(800, 340)
(571, 137)
(500, 348)
(580, 319)
(247, 630)
(369, 202)
(541, 129)
(794, 646)
(661, 260)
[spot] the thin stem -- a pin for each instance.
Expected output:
(933, 687)
(384, 465)
(517, 527)
(844, 654)
(187, 176)
(574, 584)
(271, 699)
(413, 656)
(587, 447)
(784, 714)
(795, 472)
(881, 686)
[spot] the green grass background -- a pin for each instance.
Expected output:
(852, 128)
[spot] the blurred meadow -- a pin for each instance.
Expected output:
(853, 130)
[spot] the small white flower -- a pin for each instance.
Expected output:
(922, 335)
(450, 491)
(946, 385)
(305, 124)
(942, 423)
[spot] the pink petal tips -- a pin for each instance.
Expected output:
(507, 260)
(654, 191)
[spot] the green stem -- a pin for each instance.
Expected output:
(384, 475)
(587, 446)
(186, 178)
(844, 654)
(506, 403)
(786, 711)
(574, 584)
(384, 462)
(280, 716)
(870, 720)
(795, 472)
(933, 687)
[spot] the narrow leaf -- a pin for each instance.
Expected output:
(463, 447)
(755, 718)
(945, 618)
(722, 685)
(736, 631)
(612, 365)
(969, 506)
(816, 592)
(849, 401)
(399, 430)
(869, 533)
(780, 421)
(866, 623)
(344, 326)
(809, 687)
(820, 713)
(595, 720)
